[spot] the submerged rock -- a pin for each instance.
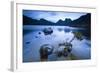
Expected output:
(60, 29)
(48, 31)
(28, 42)
(36, 36)
(39, 32)
(67, 30)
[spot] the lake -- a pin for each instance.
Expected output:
(35, 36)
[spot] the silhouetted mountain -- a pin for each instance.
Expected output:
(83, 22)
(68, 20)
(45, 22)
(60, 22)
(30, 21)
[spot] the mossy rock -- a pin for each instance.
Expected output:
(78, 35)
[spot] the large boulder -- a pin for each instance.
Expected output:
(45, 50)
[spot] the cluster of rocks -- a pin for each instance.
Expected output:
(47, 49)
(67, 48)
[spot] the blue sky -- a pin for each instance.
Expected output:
(51, 15)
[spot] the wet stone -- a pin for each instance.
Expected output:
(48, 31)
(27, 42)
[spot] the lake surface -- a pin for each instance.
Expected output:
(34, 38)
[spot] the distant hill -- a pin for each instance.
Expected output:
(84, 21)
(66, 22)
(30, 21)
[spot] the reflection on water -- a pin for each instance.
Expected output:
(34, 37)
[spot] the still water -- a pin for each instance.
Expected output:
(34, 38)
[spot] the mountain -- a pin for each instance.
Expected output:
(83, 22)
(68, 20)
(30, 21)
(60, 22)
(45, 22)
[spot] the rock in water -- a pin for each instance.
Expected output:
(48, 31)
(39, 32)
(45, 50)
(67, 48)
(28, 42)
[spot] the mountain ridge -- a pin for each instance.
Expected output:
(83, 21)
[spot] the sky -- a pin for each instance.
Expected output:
(52, 16)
